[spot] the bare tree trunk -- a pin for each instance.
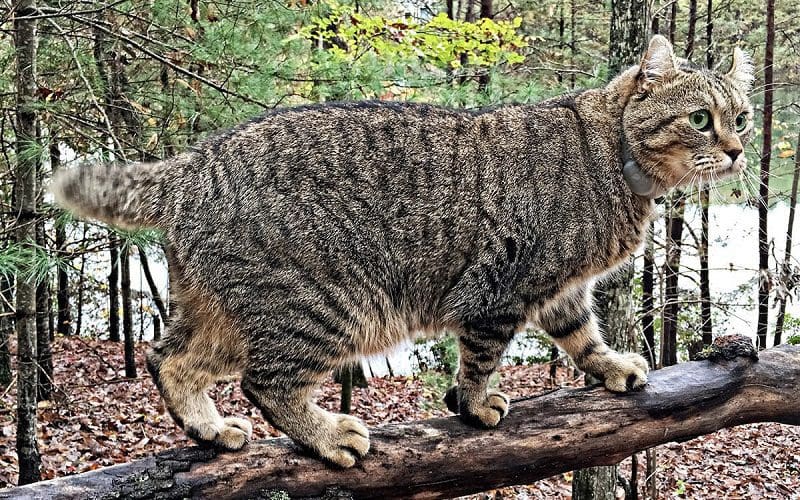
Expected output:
(690, 31)
(630, 21)
(572, 42)
(156, 327)
(469, 16)
(148, 276)
(81, 277)
(709, 34)
(561, 29)
(25, 194)
(6, 327)
(655, 23)
(763, 191)
(346, 375)
(706, 326)
(44, 355)
(486, 9)
(648, 304)
(651, 469)
(485, 12)
(673, 22)
(595, 483)
(127, 311)
(113, 288)
(64, 316)
(674, 227)
(787, 252)
(632, 488)
(614, 306)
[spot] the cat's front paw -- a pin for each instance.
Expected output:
(346, 440)
(482, 414)
(624, 372)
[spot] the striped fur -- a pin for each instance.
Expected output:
(310, 236)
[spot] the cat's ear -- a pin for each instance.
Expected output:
(742, 69)
(658, 64)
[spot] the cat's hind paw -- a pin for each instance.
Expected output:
(229, 435)
(624, 372)
(347, 441)
(488, 413)
(234, 434)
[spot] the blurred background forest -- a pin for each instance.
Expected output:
(88, 81)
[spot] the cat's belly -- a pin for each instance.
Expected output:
(378, 333)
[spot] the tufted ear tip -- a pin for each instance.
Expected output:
(658, 63)
(742, 70)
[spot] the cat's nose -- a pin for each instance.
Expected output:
(733, 153)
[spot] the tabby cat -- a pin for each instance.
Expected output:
(311, 236)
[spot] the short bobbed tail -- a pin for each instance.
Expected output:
(127, 196)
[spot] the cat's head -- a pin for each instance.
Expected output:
(684, 123)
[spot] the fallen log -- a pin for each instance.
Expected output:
(563, 430)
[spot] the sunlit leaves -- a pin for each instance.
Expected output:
(441, 42)
(785, 149)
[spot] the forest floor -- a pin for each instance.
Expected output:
(98, 418)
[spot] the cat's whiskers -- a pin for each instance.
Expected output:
(756, 181)
(689, 171)
(754, 184)
(715, 186)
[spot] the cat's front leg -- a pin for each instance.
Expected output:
(573, 326)
(481, 345)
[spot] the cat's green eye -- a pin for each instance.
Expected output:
(700, 119)
(741, 122)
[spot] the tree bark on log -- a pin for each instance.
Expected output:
(439, 458)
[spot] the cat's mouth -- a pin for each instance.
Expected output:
(721, 171)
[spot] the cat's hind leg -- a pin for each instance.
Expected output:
(285, 367)
(190, 358)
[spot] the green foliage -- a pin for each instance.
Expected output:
(437, 383)
(791, 326)
(31, 151)
(441, 41)
(536, 342)
(28, 261)
(63, 218)
(794, 340)
(444, 353)
(142, 238)
(277, 495)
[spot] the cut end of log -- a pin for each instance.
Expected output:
(728, 348)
